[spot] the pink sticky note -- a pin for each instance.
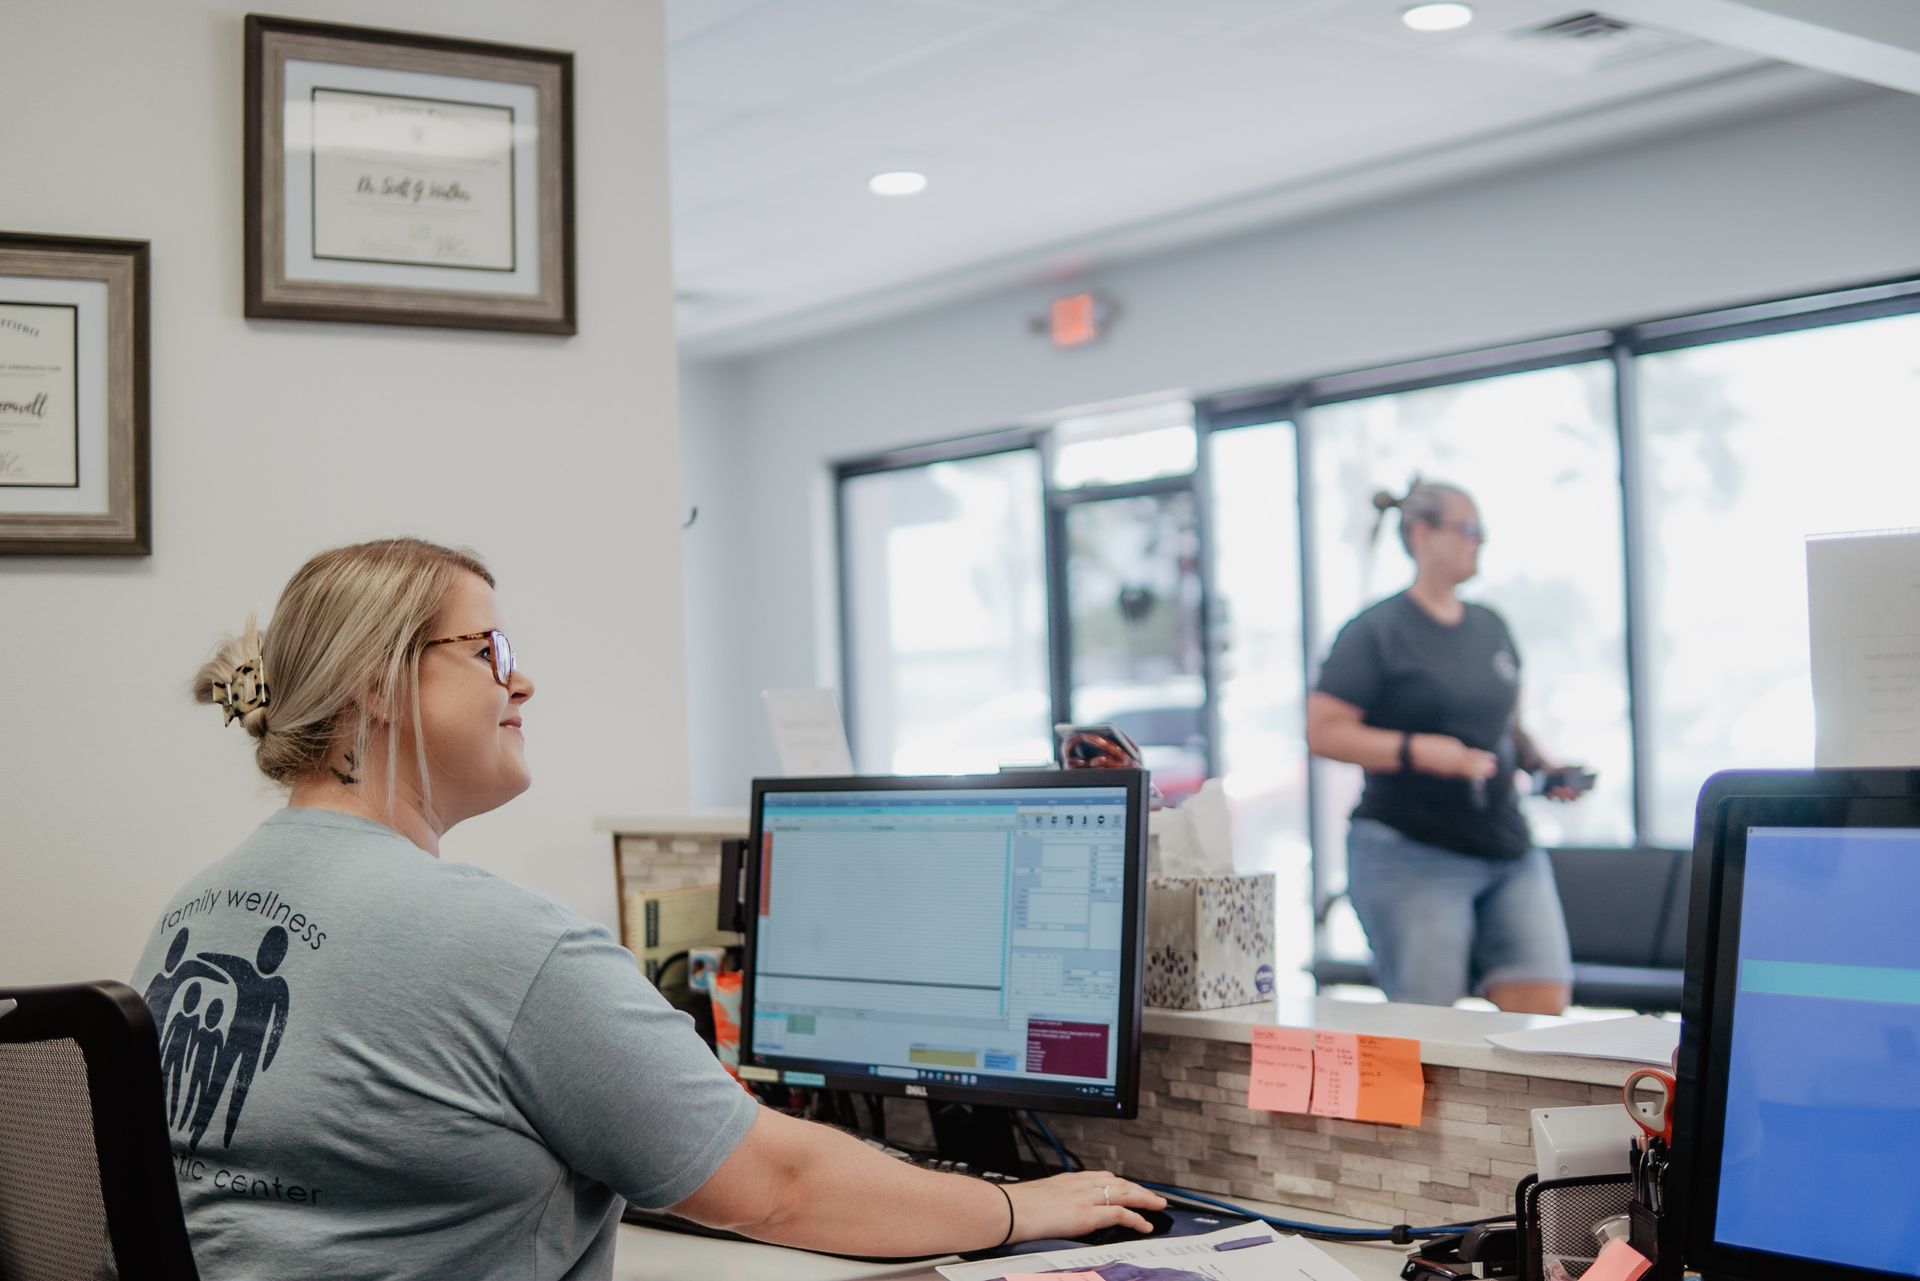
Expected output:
(1053, 1276)
(1336, 1074)
(1618, 1262)
(1281, 1079)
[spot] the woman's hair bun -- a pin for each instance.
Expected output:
(235, 680)
(1384, 501)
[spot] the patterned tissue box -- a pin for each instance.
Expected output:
(1209, 941)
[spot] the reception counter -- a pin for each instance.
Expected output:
(1194, 1129)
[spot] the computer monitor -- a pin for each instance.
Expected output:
(975, 940)
(1797, 1137)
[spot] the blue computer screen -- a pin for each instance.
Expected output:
(946, 936)
(1821, 1154)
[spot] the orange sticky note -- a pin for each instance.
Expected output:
(1281, 1079)
(1391, 1084)
(1336, 1074)
(1618, 1262)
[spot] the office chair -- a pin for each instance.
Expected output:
(87, 1187)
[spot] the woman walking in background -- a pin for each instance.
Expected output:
(1422, 691)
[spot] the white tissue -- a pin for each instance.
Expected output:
(1194, 840)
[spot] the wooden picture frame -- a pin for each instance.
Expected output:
(403, 179)
(74, 463)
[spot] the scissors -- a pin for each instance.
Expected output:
(1648, 1097)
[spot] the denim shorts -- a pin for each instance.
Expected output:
(1443, 924)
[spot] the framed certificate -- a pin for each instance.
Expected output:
(73, 396)
(407, 180)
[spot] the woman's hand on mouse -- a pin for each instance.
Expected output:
(1072, 1205)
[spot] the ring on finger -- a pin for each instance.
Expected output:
(1106, 1194)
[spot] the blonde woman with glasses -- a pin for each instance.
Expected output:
(379, 1064)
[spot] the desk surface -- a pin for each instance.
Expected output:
(649, 1254)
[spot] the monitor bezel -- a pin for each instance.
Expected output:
(1729, 804)
(1126, 1101)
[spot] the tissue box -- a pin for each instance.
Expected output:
(1209, 940)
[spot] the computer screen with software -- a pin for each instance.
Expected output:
(976, 939)
(1805, 1060)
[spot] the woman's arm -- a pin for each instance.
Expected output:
(794, 1182)
(1337, 730)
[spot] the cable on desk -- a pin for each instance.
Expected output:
(1399, 1234)
(1066, 1162)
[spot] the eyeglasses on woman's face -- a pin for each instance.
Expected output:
(501, 653)
(1471, 530)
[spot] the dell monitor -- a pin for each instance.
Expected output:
(974, 941)
(1797, 1142)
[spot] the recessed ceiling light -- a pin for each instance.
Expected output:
(1437, 17)
(899, 182)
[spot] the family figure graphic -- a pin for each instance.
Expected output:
(220, 1019)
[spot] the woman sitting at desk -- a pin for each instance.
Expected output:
(399, 1067)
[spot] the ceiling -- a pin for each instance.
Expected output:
(1061, 134)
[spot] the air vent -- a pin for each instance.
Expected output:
(1584, 43)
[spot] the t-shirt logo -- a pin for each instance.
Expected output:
(1506, 667)
(220, 1019)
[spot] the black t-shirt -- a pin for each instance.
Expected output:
(1406, 670)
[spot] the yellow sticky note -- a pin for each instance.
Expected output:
(1391, 1085)
(1336, 1074)
(1281, 1079)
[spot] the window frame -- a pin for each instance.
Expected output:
(1293, 403)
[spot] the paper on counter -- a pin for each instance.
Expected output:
(808, 733)
(1643, 1038)
(1863, 608)
(1226, 1255)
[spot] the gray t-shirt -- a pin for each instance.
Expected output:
(378, 1064)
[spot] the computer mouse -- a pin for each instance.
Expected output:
(1120, 1233)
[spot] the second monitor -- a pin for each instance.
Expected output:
(975, 940)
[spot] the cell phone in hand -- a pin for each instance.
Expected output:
(1574, 777)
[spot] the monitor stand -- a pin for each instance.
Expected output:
(985, 1138)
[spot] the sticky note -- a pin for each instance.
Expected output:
(1392, 1086)
(1281, 1079)
(1053, 1276)
(1336, 1074)
(1367, 1078)
(1618, 1262)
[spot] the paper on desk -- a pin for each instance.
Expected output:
(1254, 1252)
(1863, 606)
(1367, 1078)
(1643, 1038)
(808, 733)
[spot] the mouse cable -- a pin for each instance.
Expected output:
(1399, 1234)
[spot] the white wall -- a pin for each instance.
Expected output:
(556, 458)
(1771, 207)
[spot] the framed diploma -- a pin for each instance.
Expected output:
(73, 396)
(405, 179)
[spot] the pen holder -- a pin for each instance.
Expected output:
(1556, 1220)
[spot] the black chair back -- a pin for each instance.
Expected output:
(87, 1187)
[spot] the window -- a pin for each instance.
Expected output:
(1746, 447)
(1539, 453)
(985, 598)
(1253, 499)
(947, 616)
